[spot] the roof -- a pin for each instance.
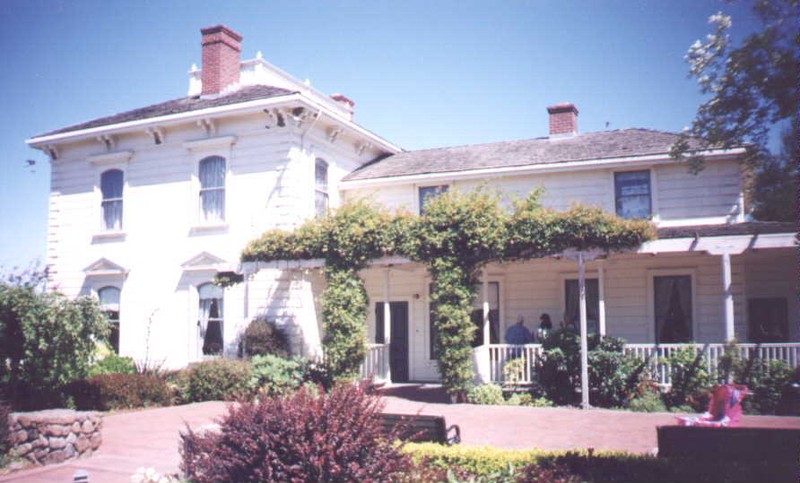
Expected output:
(177, 106)
(747, 228)
(582, 147)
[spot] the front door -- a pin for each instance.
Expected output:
(398, 348)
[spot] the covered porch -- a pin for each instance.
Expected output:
(694, 287)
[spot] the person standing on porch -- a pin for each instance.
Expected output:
(545, 326)
(518, 334)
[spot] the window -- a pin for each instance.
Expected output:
(109, 303)
(433, 332)
(212, 189)
(572, 313)
(211, 318)
(632, 194)
(768, 319)
(427, 193)
(673, 308)
(494, 314)
(321, 187)
(111, 182)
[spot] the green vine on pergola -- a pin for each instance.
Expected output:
(456, 237)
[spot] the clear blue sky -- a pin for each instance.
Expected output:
(422, 73)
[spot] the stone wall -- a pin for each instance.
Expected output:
(55, 435)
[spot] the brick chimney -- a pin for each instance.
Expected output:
(221, 58)
(563, 119)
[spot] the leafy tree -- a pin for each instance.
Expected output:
(751, 87)
(46, 340)
(777, 182)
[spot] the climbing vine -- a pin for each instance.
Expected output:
(458, 235)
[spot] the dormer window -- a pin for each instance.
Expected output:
(212, 189)
(111, 183)
(321, 188)
(427, 193)
(632, 194)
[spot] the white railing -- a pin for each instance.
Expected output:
(656, 355)
(501, 354)
(376, 364)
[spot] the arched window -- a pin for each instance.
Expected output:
(109, 303)
(321, 187)
(212, 189)
(211, 318)
(111, 183)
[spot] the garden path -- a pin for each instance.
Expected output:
(150, 438)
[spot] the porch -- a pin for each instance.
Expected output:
(491, 359)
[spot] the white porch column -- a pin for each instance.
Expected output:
(584, 342)
(602, 297)
(486, 332)
(387, 324)
(727, 297)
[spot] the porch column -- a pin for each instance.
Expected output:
(584, 342)
(727, 297)
(486, 332)
(602, 298)
(387, 324)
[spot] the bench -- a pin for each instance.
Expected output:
(779, 445)
(420, 428)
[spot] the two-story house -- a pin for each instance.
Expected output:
(149, 205)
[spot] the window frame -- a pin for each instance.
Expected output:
(440, 189)
(651, 311)
(653, 208)
(566, 278)
(114, 321)
(202, 215)
(201, 342)
(325, 191)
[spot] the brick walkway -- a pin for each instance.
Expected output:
(150, 438)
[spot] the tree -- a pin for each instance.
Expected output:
(776, 183)
(752, 87)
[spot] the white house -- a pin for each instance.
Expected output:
(147, 206)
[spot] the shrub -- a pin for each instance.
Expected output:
(514, 372)
(262, 337)
(690, 380)
(297, 437)
(215, 380)
(647, 402)
(119, 391)
(113, 364)
(5, 431)
(273, 375)
(486, 394)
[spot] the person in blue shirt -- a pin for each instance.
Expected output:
(518, 333)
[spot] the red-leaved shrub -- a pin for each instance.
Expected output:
(119, 391)
(297, 437)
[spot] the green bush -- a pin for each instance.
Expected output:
(770, 382)
(690, 379)
(262, 337)
(108, 392)
(216, 380)
(647, 402)
(46, 340)
(486, 394)
(5, 432)
(273, 375)
(113, 364)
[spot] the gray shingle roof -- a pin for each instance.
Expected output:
(583, 147)
(177, 106)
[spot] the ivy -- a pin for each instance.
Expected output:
(456, 237)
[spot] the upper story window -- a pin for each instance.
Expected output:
(427, 193)
(321, 187)
(212, 189)
(109, 303)
(632, 194)
(111, 183)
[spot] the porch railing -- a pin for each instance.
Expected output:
(376, 364)
(657, 355)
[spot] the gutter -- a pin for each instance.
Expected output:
(496, 172)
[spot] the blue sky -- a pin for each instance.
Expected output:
(422, 74)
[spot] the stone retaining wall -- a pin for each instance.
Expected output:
(55, 435)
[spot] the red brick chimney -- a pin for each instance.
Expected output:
(563, 119)
(221, 58)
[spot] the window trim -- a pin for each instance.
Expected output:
(118, 311)
(651, 296)
(590, 274)
(326, 191)
(653, 190)
(222, 318)
(100, 231)
(121, 199)
(201, 215)
(201, 149)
